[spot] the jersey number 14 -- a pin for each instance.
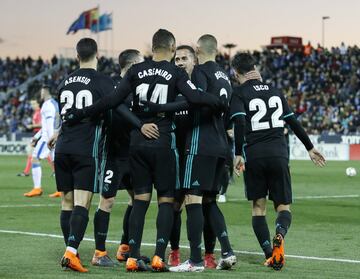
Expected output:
(159, 94)
(260, 106)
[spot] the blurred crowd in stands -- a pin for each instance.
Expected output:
(321, 85)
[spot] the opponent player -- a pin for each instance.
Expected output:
(49, 123)
(35, 126)
(78, 149)
(159, 81)
(259, 112)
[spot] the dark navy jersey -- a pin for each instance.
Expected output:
(81, 89)
(119, 131)
(265, 109)
(184, 124)
(157, 82)
(208, 135)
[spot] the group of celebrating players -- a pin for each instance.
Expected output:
(163, 124)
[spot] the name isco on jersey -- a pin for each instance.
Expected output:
(81, 79)
(155, 72)
(261, 87)
(220, 74)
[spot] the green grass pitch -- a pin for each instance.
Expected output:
(324, 226)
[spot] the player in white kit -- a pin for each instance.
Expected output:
(49, 123)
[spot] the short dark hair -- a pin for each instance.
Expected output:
(162, 39)
(86, 49)
(47, 87)
(209, 43)
(243, 62)
(127, 57)
(187, 47)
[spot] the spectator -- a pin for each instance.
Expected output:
(321, 85)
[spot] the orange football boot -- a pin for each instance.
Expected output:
(70, 260)
(159, 265)
(55, 195)
(34, 193)
(135, 265)
(122, 252)
(278, 254)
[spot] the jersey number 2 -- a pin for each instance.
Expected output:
(260, 106)
(83, 98)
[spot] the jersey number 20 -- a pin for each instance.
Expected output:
(83, 98)
(260, 106)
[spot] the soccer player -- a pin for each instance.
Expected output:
(185, 58)
(160, 81)
(203, 165)
(206, 149)
(259, 112)
(49, 122)
(78, 149)
(35, 126)
(117, 175)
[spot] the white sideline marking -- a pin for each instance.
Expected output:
(313, 197)
(49, 204)
(232, 200)
(184, 246)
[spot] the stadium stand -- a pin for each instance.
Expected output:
(322, 86)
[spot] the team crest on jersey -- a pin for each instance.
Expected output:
(193, 87)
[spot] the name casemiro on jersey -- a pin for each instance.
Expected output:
(155, 72)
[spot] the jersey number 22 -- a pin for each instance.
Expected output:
(260, 106)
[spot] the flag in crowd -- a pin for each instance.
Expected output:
(105, 23)
(91, 20)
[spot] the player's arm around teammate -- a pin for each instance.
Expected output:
(117, 170)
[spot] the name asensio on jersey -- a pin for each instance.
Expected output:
(81, 79)
(220, 74)
(155, 72)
